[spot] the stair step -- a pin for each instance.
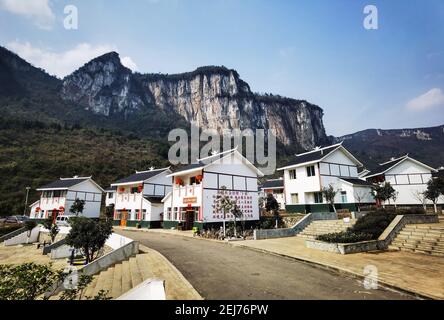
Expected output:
(109, 278)
(90, 289)
(126, 277)
(144, 267)
(116, 289)
(136, 277)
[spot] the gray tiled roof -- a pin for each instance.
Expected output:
(357, 181)
(140, 176)
(63, 183)
(311, 156)
(278, 183)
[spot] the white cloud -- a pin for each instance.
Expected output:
(430, 99)
(64, 63)
(38, 10)
(129, 63)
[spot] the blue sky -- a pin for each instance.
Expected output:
(392, 77)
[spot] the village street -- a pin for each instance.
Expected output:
(219, 271)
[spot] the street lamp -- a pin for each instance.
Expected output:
(26, 200)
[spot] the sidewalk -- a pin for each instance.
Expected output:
(411, 272)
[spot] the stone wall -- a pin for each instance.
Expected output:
(383, 241)
(294, 230)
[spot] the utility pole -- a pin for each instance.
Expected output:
(26, 200)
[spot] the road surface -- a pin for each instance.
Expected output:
(220, 271)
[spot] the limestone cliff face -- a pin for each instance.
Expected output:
(214, 97)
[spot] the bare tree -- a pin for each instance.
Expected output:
(360, 195)
(421, 197)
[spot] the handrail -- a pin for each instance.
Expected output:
(12, 234)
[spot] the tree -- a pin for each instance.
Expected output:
(224, 204)
(237, 213)
(271, 205)
(27, 281)
(32, 281)
(29, 226)
(329, 195)
(89, 236)
(421, 197)
(433, 192)
(359, 195)
(48, 224)
(109, 212)
(77, 207)
(384, 193)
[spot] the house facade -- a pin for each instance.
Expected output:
(409, 177)
(193, 199)
(276, 188)
(308, 173)
(57, 197)
(137, 198)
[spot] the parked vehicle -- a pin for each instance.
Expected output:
(63, 221)
(15, 220)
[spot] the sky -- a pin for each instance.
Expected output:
(317, 50)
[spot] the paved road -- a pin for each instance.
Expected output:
(221, 271)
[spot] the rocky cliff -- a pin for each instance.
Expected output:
(214, 97)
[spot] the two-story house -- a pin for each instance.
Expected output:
(193, 200)
(57, 197)
(137, 198)
(276, 188)
(409, 178)
(308, 173)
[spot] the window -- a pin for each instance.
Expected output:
(311, 171)
(294, 198)
(318, 197)
(169, 214)
(344, 196)
(110, 195)
(59, 193)
(176, 214)
(144, 215)
(134, 190)
(292, 174)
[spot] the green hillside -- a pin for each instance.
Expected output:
(33, 153)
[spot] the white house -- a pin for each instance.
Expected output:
(308, 173)
(192, 202)
(276, 188)
(406, 175)
(57, 198)
(137, 198)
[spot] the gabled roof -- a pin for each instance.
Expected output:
(357, 182)
(111, 189)
(207, 161)
(386, 166)
(154, 199)
(317, 155)
(274, 183)
(140, 176)
(63, 183)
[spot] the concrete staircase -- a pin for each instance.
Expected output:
(319, 227)
(421, 238)
(122, 277)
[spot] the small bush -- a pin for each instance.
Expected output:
(344, 237)
(373, 223)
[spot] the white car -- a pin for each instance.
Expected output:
(63, 221)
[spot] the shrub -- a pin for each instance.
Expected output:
(373, 223)
(345, 237)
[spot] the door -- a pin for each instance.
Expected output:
(124, 218)
(189, 219)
